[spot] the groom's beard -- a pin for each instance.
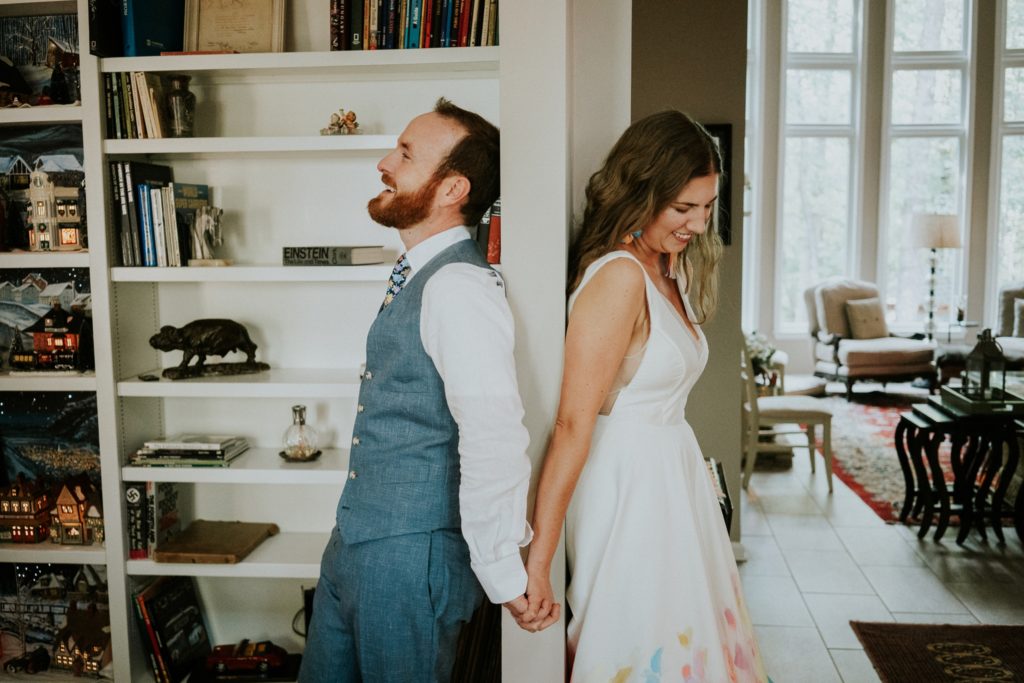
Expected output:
(403, 210)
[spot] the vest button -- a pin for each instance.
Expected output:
(367, 375)
(355, 440)
(352, 475)
(360, 408)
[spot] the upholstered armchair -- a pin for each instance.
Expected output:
(852, 341)
(1009, 330)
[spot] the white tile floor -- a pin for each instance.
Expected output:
(818, 561)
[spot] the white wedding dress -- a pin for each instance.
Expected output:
(654, 592)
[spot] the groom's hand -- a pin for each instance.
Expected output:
(519, 607)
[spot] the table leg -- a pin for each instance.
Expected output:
(993, 461)
(968, 473)
(905, 435)
(1005, 475)
(938, 491)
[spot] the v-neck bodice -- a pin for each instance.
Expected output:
(672, 361)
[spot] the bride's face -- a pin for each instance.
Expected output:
(687, 215)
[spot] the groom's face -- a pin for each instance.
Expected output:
(409, 172)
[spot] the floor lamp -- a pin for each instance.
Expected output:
(934, 231)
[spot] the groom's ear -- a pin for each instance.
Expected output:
(454, 190)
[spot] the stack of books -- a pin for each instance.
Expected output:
(190, 450)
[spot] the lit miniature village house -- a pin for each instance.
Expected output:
(24, 512)
(83, 645)
(52, 197)
(61, 340)
(76, 517)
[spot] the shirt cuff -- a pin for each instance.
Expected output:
(503, 579)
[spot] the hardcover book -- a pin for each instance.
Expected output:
(332, 256)
(150, 28)
(195, 442)
(173, 626)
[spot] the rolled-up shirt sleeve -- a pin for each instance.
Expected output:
(467, 330)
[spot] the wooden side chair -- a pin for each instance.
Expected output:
(763, 414)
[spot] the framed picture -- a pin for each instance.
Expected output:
(722, 133)
(234, 25)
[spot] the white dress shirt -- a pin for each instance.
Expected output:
(467, 329)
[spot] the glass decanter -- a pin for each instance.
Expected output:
(300, 440)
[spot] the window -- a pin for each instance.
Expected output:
(1007, 252)
(820, 130)
(925, 146)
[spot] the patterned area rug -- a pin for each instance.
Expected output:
(864, 447)
(957, 654)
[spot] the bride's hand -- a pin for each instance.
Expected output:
(541, 597)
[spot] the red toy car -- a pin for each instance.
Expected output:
(260, 657)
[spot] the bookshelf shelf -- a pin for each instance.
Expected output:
(274, 383)
(255, 273)
(286, 555)
(51, 553)
(44, 259)
(39, 381)
(54, 113)
(431, 62)
(252, 145)
(255, 466)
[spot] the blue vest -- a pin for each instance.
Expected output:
(404, 463)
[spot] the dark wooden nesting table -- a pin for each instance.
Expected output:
(982, 468)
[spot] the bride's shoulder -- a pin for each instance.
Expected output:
(617, 272)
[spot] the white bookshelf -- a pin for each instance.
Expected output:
(52, 113)
(255, 273)
(41, 381)
(284, 556)
(44, 259)
(273, 383)
(252, 145)
(255, 466)
(52, 553)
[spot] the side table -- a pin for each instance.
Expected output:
(981, 475)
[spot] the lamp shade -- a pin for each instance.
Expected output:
(934, 231)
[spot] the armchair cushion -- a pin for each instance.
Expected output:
(1006, 311)
(830, 303)
(1018, 317)
(867, 321)
(895, 351)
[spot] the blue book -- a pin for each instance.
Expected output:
(149, 27)
(446, 23)
(412, 40)
(146, 235)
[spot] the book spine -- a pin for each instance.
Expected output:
(436, 19)
(474, 22)
(494, 238)
(335, 25)
(402, 30)
(170, 226)
(415, 23)
(127, 112)
(148, 639)
(128, 27)
(356, 25)
(145, 225)
(108, 106)
(425, 18)
(115, 93)
(391, 27)
(127, 194)
(467, 6)
(135, 500)
(446, 23)
(161, 673)
(156, 219)
(329, 256)
(492, 24)
(371, 32)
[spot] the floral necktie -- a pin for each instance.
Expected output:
(396, 281)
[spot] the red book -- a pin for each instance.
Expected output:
(426, 18)
(467, 5)
(494, 237)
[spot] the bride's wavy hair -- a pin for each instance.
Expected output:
(645, 172)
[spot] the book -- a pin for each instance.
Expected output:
(415, 24)
(170, 220)
(356, 24)
(494, 234)
(175, 625)
(136, 173)
(194, 442)
(332, 256)
(105, 28)
(135, 520)
(483, 231)
(149, 28)
(163, 521)
(156, 217)
(187, 198)
(146, 236)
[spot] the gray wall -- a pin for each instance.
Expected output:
(691, 55)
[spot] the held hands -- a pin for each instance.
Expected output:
(537, 609)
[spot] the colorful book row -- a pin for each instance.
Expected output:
(154, 214)
(135, 105)
(408, 24)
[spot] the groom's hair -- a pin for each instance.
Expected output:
(476, 157)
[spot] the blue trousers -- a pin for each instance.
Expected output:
(390, 609)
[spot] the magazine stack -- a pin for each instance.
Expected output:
(190, 450)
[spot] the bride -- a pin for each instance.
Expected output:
(653, 590)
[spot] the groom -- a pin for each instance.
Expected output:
(434, 511)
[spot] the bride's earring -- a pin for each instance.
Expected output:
(628, 239)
